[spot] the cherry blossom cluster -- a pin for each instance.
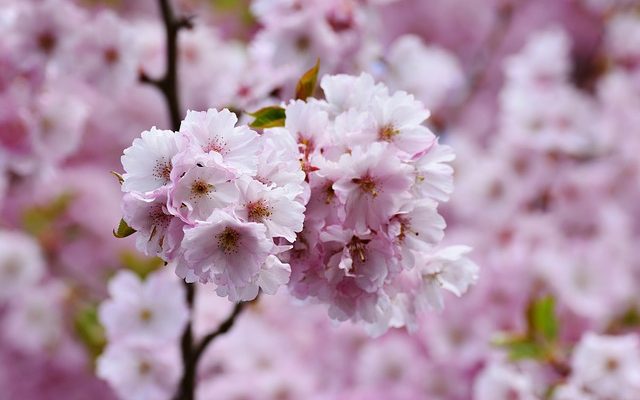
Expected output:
(48, 100)
(603, 366)
(218, 200)
(143, 321)
(222, 203)
(555, 184)
(33, 322)
(371, 230)
(295, 33)
(32, 312)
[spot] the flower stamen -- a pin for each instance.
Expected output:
(201, 188)
(367, 185)
(257, 211)
(162, 170)
(387, 133)
(228, 240)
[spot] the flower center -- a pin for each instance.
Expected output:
(146, 315)
(394, 372)
(367, 185)
(358, 249)
(159, 220)
(228, 240)
(330, 194)
(201, 188)
(47, 42)
(406, 229)
(303, 43)
(144, 368)
(111, 55)
(214, 145)
(47, 125)
(305, 145)
(612, 365)
(387, 133)
(257, 211)
(162, 170)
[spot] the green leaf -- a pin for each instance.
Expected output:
(540, 340)
(525, 350)
(520, 347)
(268, 117)
(630, 319)
(123, 230)
(542, 319)
(39, 219)
(142, 266)
(307, 84)
(225, 5)
(89, 330)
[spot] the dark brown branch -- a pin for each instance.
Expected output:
(168, 83)
(222, 329)
(186, 390)
(191, 358)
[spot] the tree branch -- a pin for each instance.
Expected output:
(222, 329)
(168, 83)
(186, 390)
(478, 74)
(192, 356)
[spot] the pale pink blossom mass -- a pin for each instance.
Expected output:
(319, 199)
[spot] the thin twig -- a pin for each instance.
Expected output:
(222, 329)
(478, 74)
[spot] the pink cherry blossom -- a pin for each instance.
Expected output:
(216, 133)
(203, 189)
(137, 372)
(135, 313)
(372, 187)
(147, 163)
(447, 269)
(440, 81)
(501, 382)
(608, 366)
(227, 251)
(276, 208)
(157, 231)
(21, 263)
(35, 322)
